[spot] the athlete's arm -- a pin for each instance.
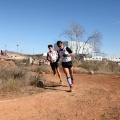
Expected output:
(48, 57)
(58, 56)
(70, 52)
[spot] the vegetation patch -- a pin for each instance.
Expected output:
(101, 66)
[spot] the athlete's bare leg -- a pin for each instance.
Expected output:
(71, 71)
(59, 74)
(54, 72)
(66, 71)
(71, 74)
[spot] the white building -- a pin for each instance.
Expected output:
(114, 59)
(94, 58)
(44, 54)
(78, 47)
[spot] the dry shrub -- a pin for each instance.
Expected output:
(22, 62)
(17, 80)
(32, 68)
(45, 68)
(14, 73)
(114, 67)
(37, 81)
(101, 66)
(12, 85)
(12, 79)
(90, 65)
(79, 70)
(7, 64)
(20, 80)
(42, 68)
(75, 62)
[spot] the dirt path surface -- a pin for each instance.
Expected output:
(95, 97)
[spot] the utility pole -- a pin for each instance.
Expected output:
(17, 48)
(5, 49)
(21, 51)
(33, 51)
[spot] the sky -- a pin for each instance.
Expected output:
(33, 24)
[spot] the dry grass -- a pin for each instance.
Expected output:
(101, 66)
(17, 80)
(42, 68)
(20, 80)
(98, 66)
(75, 62)
(23, 62)
(45, 68)
(12, 79)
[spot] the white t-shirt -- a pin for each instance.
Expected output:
(62, 52)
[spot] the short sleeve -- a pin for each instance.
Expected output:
(68, 50)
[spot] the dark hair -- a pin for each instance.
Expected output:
(50, 46)
(59, 42)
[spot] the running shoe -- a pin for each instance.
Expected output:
(61, 83)
(71, 89)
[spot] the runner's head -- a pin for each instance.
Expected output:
(50, 47)
(60, 44)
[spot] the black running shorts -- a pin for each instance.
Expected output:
(54, 65)
(67, 64)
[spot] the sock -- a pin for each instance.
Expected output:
(69, 81)
(72, 78)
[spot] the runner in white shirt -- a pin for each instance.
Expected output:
(52, 57)
(65, 54)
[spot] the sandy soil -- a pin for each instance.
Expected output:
(95, 97)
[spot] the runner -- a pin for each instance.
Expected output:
(52, 57)
(65, 54)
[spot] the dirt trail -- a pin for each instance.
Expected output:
(96, 97)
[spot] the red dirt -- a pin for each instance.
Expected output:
(96, 97)
(7, 64)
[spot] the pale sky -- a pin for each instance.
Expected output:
(37, 23)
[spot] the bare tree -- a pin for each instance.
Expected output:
(76, 33)
(95, 41)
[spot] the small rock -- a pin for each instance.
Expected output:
(41, 83)
(91, 72)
